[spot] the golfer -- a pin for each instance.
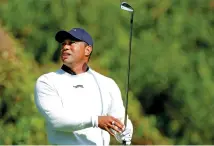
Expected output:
(80, 106)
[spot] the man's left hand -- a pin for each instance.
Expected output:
(126, 135)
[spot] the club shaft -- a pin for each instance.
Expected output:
(128, 70)
(128, 73)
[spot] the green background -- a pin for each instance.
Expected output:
(172, 64)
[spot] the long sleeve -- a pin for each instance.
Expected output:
(118, 111)
(117, 108)
(50, 106)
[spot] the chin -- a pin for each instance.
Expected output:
(67, 61)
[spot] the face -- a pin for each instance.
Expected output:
(74, 52)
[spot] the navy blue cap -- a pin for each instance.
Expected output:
(74, 34)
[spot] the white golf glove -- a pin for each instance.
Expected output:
(126, 135)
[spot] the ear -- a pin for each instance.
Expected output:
(88, 50)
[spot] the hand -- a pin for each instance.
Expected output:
(126, 135)
(108, 122)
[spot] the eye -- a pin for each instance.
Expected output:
(71, 42)
(68, 43)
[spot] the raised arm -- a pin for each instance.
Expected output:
(117, 110)
(50, 106)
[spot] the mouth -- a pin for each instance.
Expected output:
(65, 55)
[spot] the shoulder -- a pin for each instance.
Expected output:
(47, 77)
(103, 78)
(108, 83)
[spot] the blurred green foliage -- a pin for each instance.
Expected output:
(171, 96)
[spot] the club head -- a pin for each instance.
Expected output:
(125, 6)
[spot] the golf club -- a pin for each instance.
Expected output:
(125, 6)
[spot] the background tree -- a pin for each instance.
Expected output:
(171, 95)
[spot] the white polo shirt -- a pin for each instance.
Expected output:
(71, 105)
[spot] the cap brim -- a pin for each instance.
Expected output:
(62, 35)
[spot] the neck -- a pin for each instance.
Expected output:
(78, 69)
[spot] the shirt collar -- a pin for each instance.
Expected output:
(69, 70)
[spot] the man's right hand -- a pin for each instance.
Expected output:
(108, 122)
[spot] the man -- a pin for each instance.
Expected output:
(80, 106)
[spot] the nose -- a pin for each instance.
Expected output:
(66, 47)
